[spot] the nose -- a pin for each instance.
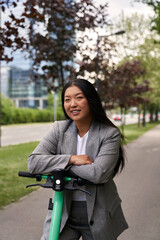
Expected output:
(73, 103)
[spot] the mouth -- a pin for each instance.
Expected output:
(75, 112)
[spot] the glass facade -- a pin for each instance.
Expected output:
(24, 91)
(4, 80)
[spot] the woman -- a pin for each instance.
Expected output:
(89, 144)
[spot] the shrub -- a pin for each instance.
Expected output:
(11, 114)
(6, 110)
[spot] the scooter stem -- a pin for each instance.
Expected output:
(56, 215)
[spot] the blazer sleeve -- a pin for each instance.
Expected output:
(102, 169)
(44, 158)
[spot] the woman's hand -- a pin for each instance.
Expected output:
(80, 160)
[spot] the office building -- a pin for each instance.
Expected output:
(18, 85)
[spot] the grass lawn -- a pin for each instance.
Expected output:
(14, 159)
(132, 132)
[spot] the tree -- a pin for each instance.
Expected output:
(10, 36)
(53, 26)
(155, 22)
(135, 33)
(150, 55)
(152, 58)
(124, 88)
(139, 44)
(98, 61)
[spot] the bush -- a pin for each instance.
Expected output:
(6, 109)
(11, 114)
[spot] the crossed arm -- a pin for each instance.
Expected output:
(44, 160)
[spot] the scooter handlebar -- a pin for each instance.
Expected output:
(27, 174)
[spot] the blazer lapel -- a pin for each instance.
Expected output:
(69, 140)
(92, 149)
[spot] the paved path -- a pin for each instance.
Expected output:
(15, 134)
(24, 220)
(138, 187)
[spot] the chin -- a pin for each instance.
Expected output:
(76, 119)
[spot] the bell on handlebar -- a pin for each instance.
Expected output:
(58, 181)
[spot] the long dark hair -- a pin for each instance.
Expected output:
(97, 110)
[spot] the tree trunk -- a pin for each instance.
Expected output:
(156, 114)
(62, 74)
(151, 110)
(151, 115)
(139, 119)
(122, 122)
(144, 115)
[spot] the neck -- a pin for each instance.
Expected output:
(83, 128)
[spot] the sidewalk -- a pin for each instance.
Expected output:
(24, 220)
(138, 186)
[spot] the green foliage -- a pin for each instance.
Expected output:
(138, 43)
(132, 132)
(11, 114)
(6, 109)
(14, 159)
(50, 100)
(155, 5)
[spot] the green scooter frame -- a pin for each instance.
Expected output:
(56, 216)
(57, 181)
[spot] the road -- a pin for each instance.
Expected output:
(15, 134)
(138, 187)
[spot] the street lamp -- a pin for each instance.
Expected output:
(98, 40)
(55, 96)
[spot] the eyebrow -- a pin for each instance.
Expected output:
(75, 95)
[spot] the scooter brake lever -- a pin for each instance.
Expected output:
(38, 184)
(75, 189)
(48, 184)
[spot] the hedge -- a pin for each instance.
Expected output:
(11, 114)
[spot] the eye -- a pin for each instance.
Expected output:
(67, 100)
(79, 97)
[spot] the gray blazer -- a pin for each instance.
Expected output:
(104, 204)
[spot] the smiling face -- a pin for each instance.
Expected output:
(76, 105)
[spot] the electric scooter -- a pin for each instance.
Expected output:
(59, 180)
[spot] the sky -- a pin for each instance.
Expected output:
(115, 7)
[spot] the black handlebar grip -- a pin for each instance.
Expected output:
(27, 174)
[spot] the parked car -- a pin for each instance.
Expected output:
(117, 117)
